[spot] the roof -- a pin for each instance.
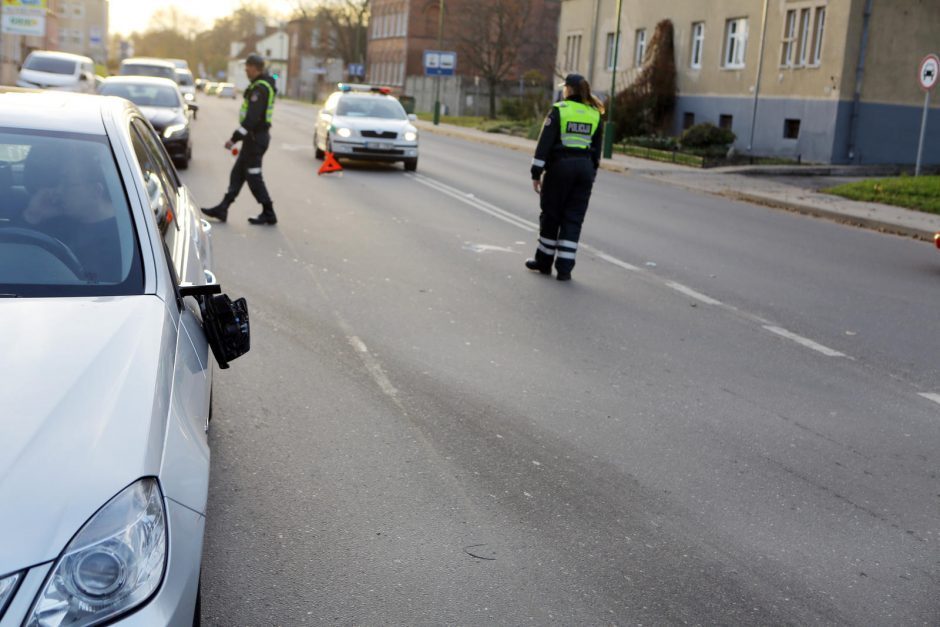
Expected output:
(61, 55)
(148, 61)
(56, 110)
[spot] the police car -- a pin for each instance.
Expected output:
(365, 122)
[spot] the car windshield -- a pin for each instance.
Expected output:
(50, 65)
(65, 223)
(184, 78)
(370, 107)
(143, 95)
(142, 69)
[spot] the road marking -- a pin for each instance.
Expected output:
(515, 220)
(799, 339)
(372, 365)
(688, 291)
(930, 396)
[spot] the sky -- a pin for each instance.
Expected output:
(127, 16)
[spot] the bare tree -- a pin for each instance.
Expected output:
(497, 37)
(347, 19)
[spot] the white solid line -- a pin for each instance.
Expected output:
(374, 367)
(476, 203)
(688, 291)
(609, 259)
(932, 397)
(799, 339)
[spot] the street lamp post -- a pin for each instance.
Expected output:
(609, 126)
(440, 45)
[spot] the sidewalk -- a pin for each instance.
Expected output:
(746, 183)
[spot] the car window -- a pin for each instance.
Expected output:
(142, 69)
(184, 78)
(65, 223)
(50, 65)
(369, 107)
(160, 185)
(144, 95)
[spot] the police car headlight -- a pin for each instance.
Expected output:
(174, 129)
(344, 132)
(411, 136)
(189, 97)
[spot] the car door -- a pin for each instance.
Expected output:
(192, 374)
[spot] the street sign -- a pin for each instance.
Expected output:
(357, 69)
(927, 75)
(440, 63)
(29, 5)
(929, 72)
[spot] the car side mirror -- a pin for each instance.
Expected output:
(83, 77)
(412, 117)
(225, 321)
(192, 107)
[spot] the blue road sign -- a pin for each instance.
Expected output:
(357, 69)
(440, 63)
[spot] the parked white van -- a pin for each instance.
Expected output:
(47, 69)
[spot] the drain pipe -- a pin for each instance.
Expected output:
(760, 69)
(859, 76)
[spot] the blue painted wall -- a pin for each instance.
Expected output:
(886, 133)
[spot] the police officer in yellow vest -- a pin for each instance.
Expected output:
(255, 118)
(568, 154)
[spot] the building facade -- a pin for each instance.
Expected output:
(83, 28)
(311, 73)
(400, 31)
(829, 81)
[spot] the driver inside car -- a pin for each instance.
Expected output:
(69, 202)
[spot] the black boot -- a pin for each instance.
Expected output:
(533, 264)
(220, 211)
(266, 216)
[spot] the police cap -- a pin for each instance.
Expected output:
(572, 80)
(256, 60)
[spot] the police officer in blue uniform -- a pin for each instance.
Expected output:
(255, 117)
(568, 155)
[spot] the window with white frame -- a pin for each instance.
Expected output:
(805, 15)
(818, 37)
(572, 52)
(609, 51)
(735, 43)
(639, 50)
(698, 44)
(789, 39)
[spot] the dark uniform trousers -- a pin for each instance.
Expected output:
(566, 190)
(247, 168)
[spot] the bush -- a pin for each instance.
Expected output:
(707, 135)
(514, 109)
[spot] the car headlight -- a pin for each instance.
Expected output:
(411, 136)
(344, 132)
(189, 97)
(173, 129)
(7, 587)
(114, 563)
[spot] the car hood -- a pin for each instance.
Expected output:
(47, 79)
(162, 117)
(81, 418)
(373, 124)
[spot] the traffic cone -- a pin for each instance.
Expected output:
(330, 164)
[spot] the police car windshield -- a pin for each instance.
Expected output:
(144, 95)
(65, 223)
(370, 107)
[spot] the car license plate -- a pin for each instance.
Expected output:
(379, 145)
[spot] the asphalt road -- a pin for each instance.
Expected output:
(729, 416)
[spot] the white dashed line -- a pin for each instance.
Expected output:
(930, 396)
(688, 291)
(799, 339)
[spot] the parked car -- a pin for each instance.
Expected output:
(180, 64)
(227, 90)
(184, 78)
(110, 318)
(162, 103)
(145, 66)
(365, 122)
(212, 88)
(46, 69)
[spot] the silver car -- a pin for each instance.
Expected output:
(109, 321)
(365, 122)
